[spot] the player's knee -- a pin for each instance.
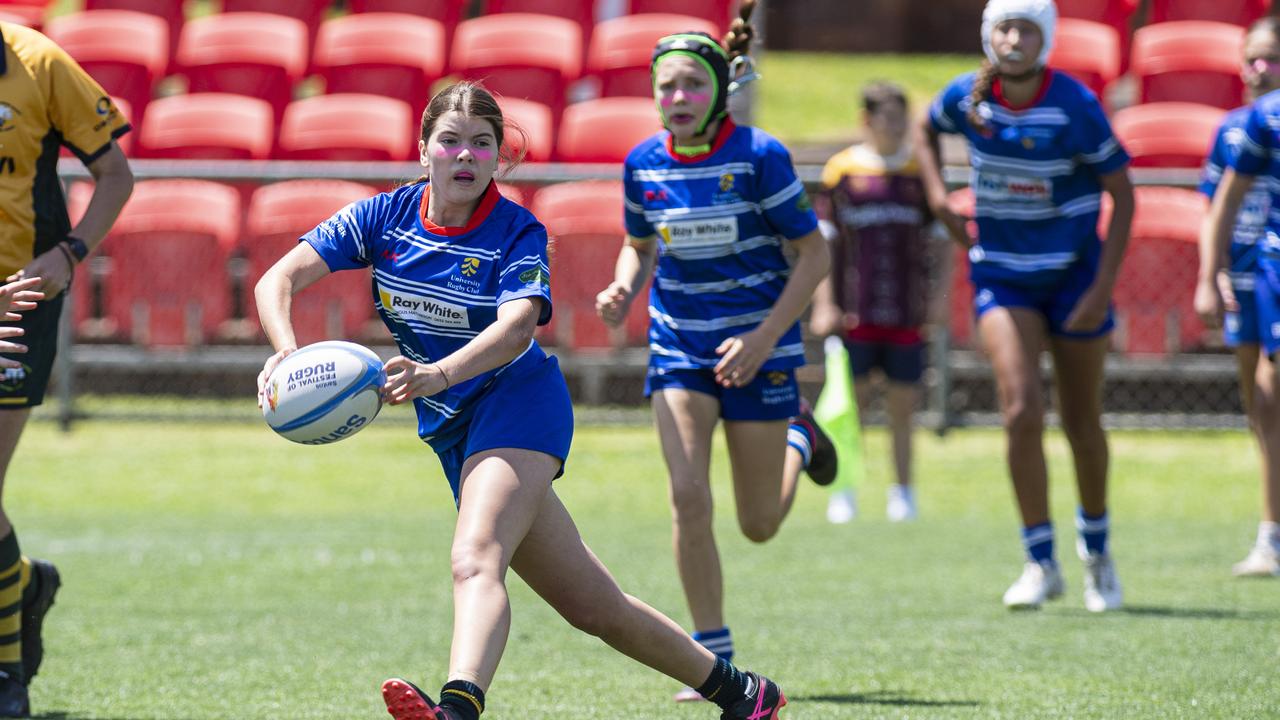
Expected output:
(760, 528)
(1023, 419)
(471, 559)
(691, 505)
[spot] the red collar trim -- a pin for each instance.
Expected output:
(997, 91)
(722, 136)
(487, 202)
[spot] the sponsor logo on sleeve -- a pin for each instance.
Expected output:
(535, 276)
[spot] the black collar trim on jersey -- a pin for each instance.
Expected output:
(4, 62)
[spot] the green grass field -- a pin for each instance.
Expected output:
(816, 97)
(217, 571)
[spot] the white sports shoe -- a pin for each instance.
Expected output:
(1101, 586)
(842, 507)
(902, 504)
(1262, 561)
(1039, 582)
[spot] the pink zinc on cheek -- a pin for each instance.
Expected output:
(445, 152)
(482, 154)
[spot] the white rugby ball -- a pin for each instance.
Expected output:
(324, 392)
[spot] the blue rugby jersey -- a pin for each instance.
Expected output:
(1035, 178)
(1251, 222)
(437, 288)
(721, 219)
(1260, 156)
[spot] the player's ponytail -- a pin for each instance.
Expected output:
(982, 83)
(737, 41)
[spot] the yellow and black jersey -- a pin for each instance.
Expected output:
(46, 101)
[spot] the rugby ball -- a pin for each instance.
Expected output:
(324, 392)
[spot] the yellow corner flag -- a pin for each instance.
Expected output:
(837, 411)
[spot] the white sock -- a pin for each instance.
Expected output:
(1269, 534)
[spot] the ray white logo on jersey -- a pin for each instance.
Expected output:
(696, 233)
(995, 186)
(424, 309)
(319, 375)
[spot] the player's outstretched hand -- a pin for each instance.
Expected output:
(267, 368)
(10, 347)
(612, 304)
(407, 380)
(1211, 300)
(741, 357)
(19, 295)
(1090, 310)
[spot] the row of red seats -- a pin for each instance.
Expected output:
(166, 275)
(447, 12)
(1179, 61)
(399, 55)
(1153, 295)
(359, 127)
(168, 253)
(1120, 15)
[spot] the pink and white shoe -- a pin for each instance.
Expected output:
(406, 702)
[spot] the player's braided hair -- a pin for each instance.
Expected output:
(982, 83)
(737, 41)
(472, 100)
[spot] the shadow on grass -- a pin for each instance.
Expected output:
(884, 697)
(1188, 613)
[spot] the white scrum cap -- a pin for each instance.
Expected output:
(1043, 13)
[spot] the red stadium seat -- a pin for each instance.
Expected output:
(581, 12)
(348, 126)
(124, 50)
(514, 193)
(628, 119)
(448, 12)
(1167, 134)
(716, 11)
(528, 126)
(520, 55)
(1189, 61)
(1115, 13)
(169, 249)
(584, 221)
(621, 48)
(960, 308)
(30, 13)
(1087, 50)
(339, 305)
(210, 126)
(1153, 296)
(390, 54)
(310, 12)
(255, 54)
(1236, 12)
(168, 10)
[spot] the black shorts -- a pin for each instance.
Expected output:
(900, 363)
(24, 387)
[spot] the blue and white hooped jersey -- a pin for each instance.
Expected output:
(1251, 222)
(1260, 156)
(721, 219)
(436, 288)
(1034, 177)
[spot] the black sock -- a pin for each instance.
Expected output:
(11, 606)
(465, 700)
(726, 685)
